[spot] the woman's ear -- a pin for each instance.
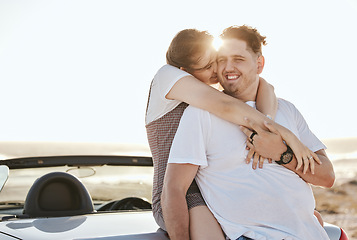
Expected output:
(260, 63)
(184, 69)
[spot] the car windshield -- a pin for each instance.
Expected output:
(104, 182)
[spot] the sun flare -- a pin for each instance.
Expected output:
(217, 43)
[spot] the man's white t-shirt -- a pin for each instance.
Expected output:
(269, 203)
(161, 85)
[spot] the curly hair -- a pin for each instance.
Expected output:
(248, 34)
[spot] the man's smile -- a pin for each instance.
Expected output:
(232, 76)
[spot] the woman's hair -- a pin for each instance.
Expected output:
(187, 47)
(248, 34)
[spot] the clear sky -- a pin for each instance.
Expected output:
(80, 70)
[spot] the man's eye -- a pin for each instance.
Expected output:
(208, 66)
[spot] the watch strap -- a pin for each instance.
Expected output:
(287, 154)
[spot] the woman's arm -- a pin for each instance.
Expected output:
(266, 101)
(196, 93)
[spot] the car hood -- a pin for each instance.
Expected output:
(106, 226)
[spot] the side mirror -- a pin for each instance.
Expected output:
(4, 174)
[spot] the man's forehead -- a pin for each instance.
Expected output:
(232, 47)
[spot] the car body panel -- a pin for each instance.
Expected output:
(118, 225)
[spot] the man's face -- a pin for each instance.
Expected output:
(206, 68)
(238, 69)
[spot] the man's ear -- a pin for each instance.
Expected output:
(260, 63)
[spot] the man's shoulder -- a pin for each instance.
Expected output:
(285, 103)
(195, 113)
(283, 100)
(287, 108)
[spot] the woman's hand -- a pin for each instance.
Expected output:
(303, 154)
(270, 145)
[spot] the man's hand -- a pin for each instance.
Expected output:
(269, 144)
(256, 158)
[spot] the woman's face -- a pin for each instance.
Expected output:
(205, 69)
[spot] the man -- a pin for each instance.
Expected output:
(270, 203)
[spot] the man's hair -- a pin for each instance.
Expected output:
(248, 34)
(187, 47)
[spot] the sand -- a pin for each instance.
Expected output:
(338, 205)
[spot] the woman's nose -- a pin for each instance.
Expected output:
(214, 67)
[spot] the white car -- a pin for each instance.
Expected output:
(80, 191)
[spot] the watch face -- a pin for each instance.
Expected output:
(287, 157)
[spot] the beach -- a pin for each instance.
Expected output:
(338, 205)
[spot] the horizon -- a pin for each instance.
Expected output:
(338, 149)
(85, 77)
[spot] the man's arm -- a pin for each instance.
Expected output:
(324, 174)
(178, 178)
(270, 145)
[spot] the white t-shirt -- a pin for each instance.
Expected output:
(269, 203)
(162, 83)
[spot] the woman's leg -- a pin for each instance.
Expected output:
(203, 225)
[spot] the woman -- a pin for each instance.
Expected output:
(171, 90)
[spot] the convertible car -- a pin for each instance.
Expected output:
(80, 191)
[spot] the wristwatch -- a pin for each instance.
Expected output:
(286, 156)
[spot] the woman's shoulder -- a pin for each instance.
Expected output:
(169, 73)
(164, 80)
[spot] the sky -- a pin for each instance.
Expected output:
(80, 70)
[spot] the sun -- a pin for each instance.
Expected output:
(217, 43)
